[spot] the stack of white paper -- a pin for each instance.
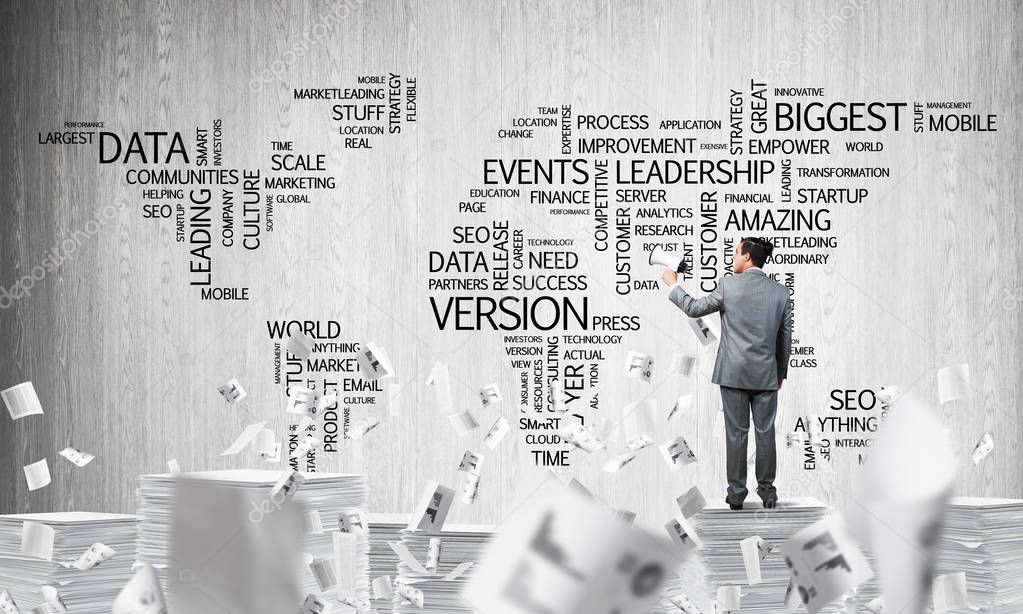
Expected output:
(984, 538)
(86, 583)
(721, 530)
(329, 495)
(461, 547)
(383, 561)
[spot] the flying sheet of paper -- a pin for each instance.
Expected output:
(314, 604)
(7, 604)
(382, 587)
(471, 462)
(753, 550)
(619, 462)
(356, 605)
(727, 599)
(21, 400)
(876, 606)
(627, 516)
(470, 487)
(248, 435)
(677, 453)
(544, 558)
(96, 554)
(307, 445)
(300, 344)
(406, 557)
(681, 406)
(691, 502)
(490, 395)
(374, 362)
(433, 508)
(458, 571)
(682, 365)
(361, 427)
(173, 466)
(323, 572)
(888, 394)
(575, 434)
(825, 562)
(141, 595)
(37, 540)
(351, 521)
(303, 401)
(983, 448)
(53, 599)
(950, 593)
(325, 401)
(440, 382)
(76, 456)
(433, 555)
(497, 431)
(346, 547)
(232, 391)
(684, 603)
(639, 365)
(37, 475)
(463, 423)
(702, 331)
(683, 534)
(640, 422)
(409, 593)
(265, 443)
(286, 486)
(953, 383)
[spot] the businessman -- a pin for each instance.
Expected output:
(752, 360)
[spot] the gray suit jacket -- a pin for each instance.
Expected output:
(756, 329)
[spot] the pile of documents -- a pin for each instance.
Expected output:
(383, 560)
(84, 558)
(721, 531)
(435, 566)
(984, 539)
(334, 561)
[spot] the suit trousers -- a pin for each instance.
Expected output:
(738, 405)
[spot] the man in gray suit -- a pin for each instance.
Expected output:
(752, 360)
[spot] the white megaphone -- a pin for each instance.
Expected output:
(667, 259)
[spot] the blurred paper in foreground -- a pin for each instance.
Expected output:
(825, 563)
(236, 560)
(905, 484)
(141, 595)
(561, 553)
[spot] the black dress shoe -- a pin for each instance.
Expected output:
(734, 506)
(769, 504)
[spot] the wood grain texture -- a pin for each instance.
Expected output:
(126, 361)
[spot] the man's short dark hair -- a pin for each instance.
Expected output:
(758, 248)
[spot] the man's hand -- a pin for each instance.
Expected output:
(670, 277)
(780, 382)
